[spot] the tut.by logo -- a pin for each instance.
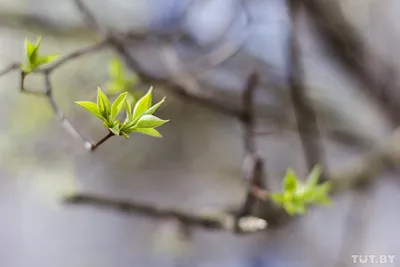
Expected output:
(374, 258)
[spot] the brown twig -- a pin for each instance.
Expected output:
(305, 115)
(212, 221)
(99, 143)
(253, 167)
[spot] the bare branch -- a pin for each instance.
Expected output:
(199, 97)
(305, 115)
(211, 221)
(90, 19)
(78, 53)
(10, 68)
(348, 48)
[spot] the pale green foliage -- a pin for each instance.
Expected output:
(34, 60)
(139, 119)
(119, 80)
(297, 196)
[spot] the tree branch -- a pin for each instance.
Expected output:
(348, 48)
(211, 221)
(305, 115)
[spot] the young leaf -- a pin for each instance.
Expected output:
(313, 177)
(129, 115)
(155, 107)
(147, 131)
(321, 194)
(45, 59)
(125, 134)
(290, 181)
(290, 208)
(103, 103)
(91, 107)
(149, 121)
(115, 130)
(29, 48)
(34, 54)
(143, 104)
(117, 105)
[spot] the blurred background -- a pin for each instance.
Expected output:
(198, 164)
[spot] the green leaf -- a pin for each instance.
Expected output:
(91, 107)
(128, 108)
(34, 55)
(125, 134)
(321, 194)
(115, 129)
(46, 59)
(143, 104)
(147, 131)
(103, 103)
(290, 182)
(115, 68)
(29, 48)
(313, 177)
(277, 198)
(290, 208)
(117, 105)
(149, 121)
(155, 107)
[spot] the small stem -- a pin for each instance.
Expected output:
(23, 74)
(105, 138)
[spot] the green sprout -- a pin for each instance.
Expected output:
(120, 82)
(140, 119)
(34, 60)
(297, 196)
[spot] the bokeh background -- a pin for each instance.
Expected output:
(198, 163)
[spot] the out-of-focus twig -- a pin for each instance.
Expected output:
(209, 220)
(253, 167)
(348, 48)
(10, 68)
(305, 115)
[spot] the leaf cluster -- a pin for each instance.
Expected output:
(297, 196)
(34, 60)
(139, 119)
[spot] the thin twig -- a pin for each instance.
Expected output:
(90, 19)
(197, 97)
(305, 115)
(10, 68)
(78, 53)
(249, 116)
(65, 123)
(105, 138)
(253, 167)
(219, 220)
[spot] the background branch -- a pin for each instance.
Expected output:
(306, 117)
(347, 47)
